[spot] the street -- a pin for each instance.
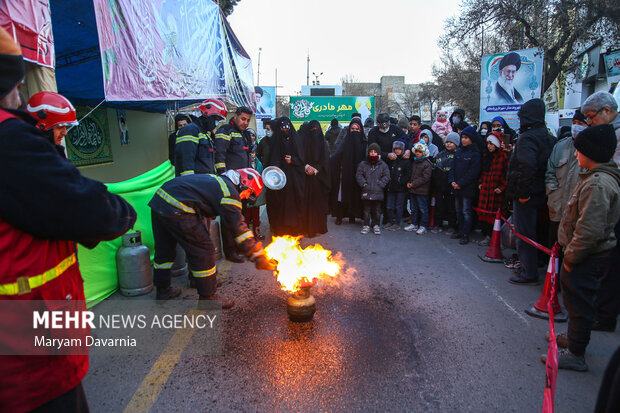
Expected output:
(422, 324)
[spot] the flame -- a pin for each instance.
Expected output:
(299, 267)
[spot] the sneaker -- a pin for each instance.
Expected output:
(456, 235)
(365, 229)
(377, 230)
(394, 227)
(561, 339)
(226, 303)
(167, 293)
(519, 280)
(485, 242)
(421, 231)
(568, 360)
(436, 230)
(464, 240)
(411, 227)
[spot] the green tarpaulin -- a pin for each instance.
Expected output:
(98, 266)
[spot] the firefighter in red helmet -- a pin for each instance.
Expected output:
(53, 113)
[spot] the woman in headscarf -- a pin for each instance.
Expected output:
(346, 195)
(316, 197)
(285, 206)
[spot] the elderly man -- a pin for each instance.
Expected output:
(504, 91)
(601, 108)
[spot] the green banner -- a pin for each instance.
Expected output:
(326, 108)
(89, 142)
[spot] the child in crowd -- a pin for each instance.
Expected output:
(492, 184)
(587, 237)
(372, 175)
(419, 186)
(427, 137)
(400, 173)
(252, 211)
(444, 196)
(441, 126)
(463, 178)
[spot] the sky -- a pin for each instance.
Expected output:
(364, 38)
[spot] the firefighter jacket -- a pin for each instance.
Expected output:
(207, 196)
(232, 148)
(46, 206)
(194, 151)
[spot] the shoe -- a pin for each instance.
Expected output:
(485, 242)
(365, 230)
(226, 303)
(510, 262)
(519, 280)
(421, 231)
(561, 339)
(568, 360)
(338, 221)
(464, 240)
(166, 293)
(388, 225)
(234, 257)
(436, 230)
(456, 235)
(411, 227)
(394, 227)
(604, 326)
(377, 230)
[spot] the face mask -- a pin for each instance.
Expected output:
(498, 129)
(456, 119)
(483, 131)
(373, 158)
(384, 130)
(268, 133)
(575, 129)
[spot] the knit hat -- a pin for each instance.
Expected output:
(494, 138)
(454, 138)
(374, 147)
(470, 132)
(403, 123)
(580, 116)
(11, 63)
(597, 142)
(398, 144)
(422, 148)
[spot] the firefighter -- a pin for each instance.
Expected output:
(47, 206)
(194, 147)
(179, 211)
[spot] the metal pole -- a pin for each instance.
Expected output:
(260, 49)
(308, 70)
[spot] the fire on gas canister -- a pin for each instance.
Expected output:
(298, 270)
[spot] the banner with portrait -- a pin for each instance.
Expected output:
(507, 81)
(265, 106)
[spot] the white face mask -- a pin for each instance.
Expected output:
(384, 130)
(268, 133)
(456, 119)
(483, 131)
(575, 129)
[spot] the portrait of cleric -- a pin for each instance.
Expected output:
(504, 92)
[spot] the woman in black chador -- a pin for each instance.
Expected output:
(345, 198)
(316, 196)
(285, 207)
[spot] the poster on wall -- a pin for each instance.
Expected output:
(123, 132)
(326, 108)
(507, 81)
(88, 143)
(265, 106)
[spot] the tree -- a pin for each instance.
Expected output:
(406, 103)
(283, 106)
(558, 27)
(227, 6)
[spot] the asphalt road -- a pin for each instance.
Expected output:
(418, 323)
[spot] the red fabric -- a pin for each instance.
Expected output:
(4, 115)
(27, 382)
(495, 177)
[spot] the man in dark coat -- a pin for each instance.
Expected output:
(285, 207)
(345, 196)
(384, 134)
(316, 198)
(526, 184)
(180, 120)
(332, 134)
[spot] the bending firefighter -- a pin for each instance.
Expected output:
(179, 212)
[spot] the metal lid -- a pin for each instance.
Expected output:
(274, 178)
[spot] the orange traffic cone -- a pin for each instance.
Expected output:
(431, 214)
(494, 253)
(539, 309)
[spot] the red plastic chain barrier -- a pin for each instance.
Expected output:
(551, 367)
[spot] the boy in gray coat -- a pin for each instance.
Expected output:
(373, 176)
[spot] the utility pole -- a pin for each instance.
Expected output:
(260, 49)
(308, 70)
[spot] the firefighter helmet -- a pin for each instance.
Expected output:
(51, 109)
(213, 107)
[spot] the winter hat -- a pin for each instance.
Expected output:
(494, 138)
(580, 116)
(398, 144)
(454, 138)
(403, 123)
(470, 132)
(428, 133)
(374, 147)
(369, 122)
(422, 148)
(11, 63)
(500, 120)
(597, 142)
(442, 112)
